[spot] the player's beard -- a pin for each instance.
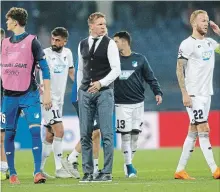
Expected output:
(57, 49)
(201, 31)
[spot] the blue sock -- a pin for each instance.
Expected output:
(10, 150)
(36, 148)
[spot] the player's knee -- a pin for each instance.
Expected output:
(59, 133)
(125, 137)
(193, 135)
(192, 128)
(9, 135)
(203, 127)
(49, 137)
(58, 129)
(96, 135)
(35, 131)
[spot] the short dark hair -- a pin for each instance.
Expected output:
(18, 14)
(60, 31)
(125, 35)
(2, 31)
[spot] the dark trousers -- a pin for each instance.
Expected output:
(89, 103)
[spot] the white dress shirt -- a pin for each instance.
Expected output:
(114, 60)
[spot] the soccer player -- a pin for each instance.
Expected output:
(60, 61)
(129, 97)
(20, 53)
(194, 71)
(4, 164)
(70, 163)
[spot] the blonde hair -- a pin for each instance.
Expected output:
(95, 16)
(195, 14)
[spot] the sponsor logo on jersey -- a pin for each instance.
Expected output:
(125, 74)
(206, 55)
(59, 68)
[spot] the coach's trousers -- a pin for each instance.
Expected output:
(89, 103)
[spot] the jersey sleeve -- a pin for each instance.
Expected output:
(213, 43)
(70, 57)
(37, 50)
(185, 50)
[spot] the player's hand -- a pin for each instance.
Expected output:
(94, 87)
(187, 101)
(158, 99)
(214, 27)
(47, 103)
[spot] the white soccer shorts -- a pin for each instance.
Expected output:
(200, 109)
(129, 117)
(54, 115)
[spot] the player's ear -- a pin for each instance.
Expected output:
(194, 24)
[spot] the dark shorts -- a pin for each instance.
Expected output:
(96, 123)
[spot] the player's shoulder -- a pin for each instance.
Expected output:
(48, 50)
(188, 40)
(210, 40)
(138, 56)
(67, 50)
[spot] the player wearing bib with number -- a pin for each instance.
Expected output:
(195, 66)
(20, 54)
(4, 164)
(60, 61)
(129, 97)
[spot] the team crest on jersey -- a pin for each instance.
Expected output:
(206, 55)
(134, 63)
(36, 115)
(125, 74)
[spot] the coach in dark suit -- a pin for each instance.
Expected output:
(98, 67)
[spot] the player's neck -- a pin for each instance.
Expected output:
(126, 52)
(197, 35)
(19, 31)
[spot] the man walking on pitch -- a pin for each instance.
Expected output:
(195, 66)
(129, 97)
(20, 53)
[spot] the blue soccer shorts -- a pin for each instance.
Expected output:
(29, 103)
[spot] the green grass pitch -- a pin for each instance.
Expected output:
(155, 174)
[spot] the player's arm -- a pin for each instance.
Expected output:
(71, 67)
(181, 63)
(216, 29)
(152, 81)
(39, 57)
(71, 73)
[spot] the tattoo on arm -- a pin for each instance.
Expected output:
(180, 73)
